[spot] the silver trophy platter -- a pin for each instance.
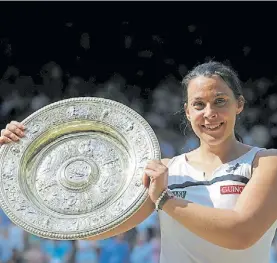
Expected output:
(78, 171)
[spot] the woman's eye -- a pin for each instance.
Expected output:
(198, 105)
(220, 101)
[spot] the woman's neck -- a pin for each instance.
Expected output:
(223, 152)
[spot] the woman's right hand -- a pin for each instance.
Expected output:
(12, 133)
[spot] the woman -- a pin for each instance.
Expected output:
(217, 203)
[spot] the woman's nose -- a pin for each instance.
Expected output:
(210, 112)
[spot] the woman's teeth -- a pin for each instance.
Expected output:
(212, 127)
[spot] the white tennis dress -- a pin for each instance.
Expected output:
(179, 245)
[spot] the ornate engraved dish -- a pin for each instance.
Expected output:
(78, 171)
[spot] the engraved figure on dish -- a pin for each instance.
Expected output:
(87, 147)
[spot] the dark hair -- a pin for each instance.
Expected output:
(212, 68)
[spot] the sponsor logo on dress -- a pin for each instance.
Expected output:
(233, 168)
(231, 189)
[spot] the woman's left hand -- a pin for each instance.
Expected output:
(158, 174)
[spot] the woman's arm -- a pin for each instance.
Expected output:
(254, 213)
(145, 211)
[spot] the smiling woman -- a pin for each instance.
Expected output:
(212, 108)
(213, 90)
(215, 202)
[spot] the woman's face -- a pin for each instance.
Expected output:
(212, 109)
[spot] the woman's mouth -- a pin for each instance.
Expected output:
(212, 127)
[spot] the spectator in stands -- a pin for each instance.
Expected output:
(117, 250)
(56, 250)
(34, 254)
(86, 252)
(143, 249)
(5, 246)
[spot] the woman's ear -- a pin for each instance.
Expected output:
(187, 111)
(241, 102)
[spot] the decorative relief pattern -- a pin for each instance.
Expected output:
(77, 184)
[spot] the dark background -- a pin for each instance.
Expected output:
(38, 34)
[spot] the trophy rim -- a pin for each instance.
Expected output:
(141, 199)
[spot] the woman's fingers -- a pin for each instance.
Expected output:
(15, 130)
(145, 180)
(18, 124)
(4, 140)
(10, 135)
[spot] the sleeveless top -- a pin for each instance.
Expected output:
(178, 244)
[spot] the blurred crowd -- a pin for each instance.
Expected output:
(141, 244)
(162, 107)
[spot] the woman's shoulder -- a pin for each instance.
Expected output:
(167, 161)
(265, 157)
(267, 153)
